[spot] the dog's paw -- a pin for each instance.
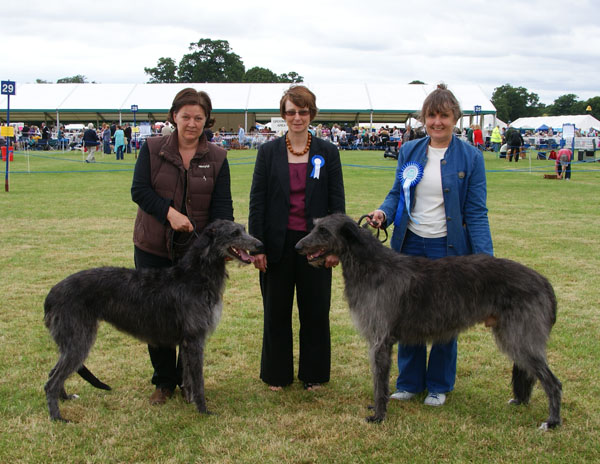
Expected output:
(187, 394)
(514, 402)
(548, 426)
(60, 420)
(374, 419)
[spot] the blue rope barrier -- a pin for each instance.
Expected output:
(234, 163)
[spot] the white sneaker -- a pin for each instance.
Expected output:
(435, 399)
(402, 395)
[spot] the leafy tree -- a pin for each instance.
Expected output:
(258, 74)
(567, 104)
(417, 82)
(211, 61)
(515, 102)
(291, 76)
(165, 71)
(78, 79)
(42, 81)
(594, 103)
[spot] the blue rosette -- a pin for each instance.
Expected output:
(410, 175)
(318, 162)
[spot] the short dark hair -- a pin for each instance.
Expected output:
(300, 96)
(439, 101)
(190, 96)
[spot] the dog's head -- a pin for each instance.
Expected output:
(230, 240)
(331, 234)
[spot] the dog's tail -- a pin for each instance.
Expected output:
(85, 373)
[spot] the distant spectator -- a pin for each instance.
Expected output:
(167, 129)
(119, 142)
(478, 137)
(127, 132)
(562, 166)
(408, 135)
(470, 133)
(90, 142)
(241, 136)
(496, 139)
(515, 141)
(45, 132)
(106, 136)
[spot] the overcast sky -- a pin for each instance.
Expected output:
(550, 47)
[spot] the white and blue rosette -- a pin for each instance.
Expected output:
(318, 162)
(410, 175)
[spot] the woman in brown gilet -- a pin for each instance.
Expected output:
(180, 183)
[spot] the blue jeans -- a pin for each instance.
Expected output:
(415, 374)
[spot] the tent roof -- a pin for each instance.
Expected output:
(336, 102)
(582, 121)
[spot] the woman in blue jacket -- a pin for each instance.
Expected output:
(438, 208)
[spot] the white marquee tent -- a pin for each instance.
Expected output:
(239, 103)
(582, 122)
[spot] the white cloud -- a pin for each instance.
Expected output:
(549, 47)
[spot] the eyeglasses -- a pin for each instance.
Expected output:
(293, 112)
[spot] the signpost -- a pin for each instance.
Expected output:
(7, 88)
(134, 109)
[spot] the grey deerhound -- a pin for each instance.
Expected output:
(398, 298)
(180, 305)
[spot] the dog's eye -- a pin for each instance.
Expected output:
(323, 231)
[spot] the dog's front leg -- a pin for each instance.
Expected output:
(193, 357)
(380, 354)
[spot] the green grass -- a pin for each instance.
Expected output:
(67, 215)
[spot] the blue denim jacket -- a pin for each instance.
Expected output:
(464, 190)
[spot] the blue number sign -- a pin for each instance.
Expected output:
(8, 87)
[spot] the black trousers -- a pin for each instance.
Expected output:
(167, 366)
(313, 289)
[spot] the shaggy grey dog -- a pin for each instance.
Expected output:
(180, 305)
(397, 298)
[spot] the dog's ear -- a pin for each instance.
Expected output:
(350, 232)
(210, 231)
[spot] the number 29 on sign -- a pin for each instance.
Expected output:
(8, 87)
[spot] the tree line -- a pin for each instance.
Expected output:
(213, 61)
(517, 102)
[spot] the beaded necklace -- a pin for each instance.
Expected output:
(288, 144)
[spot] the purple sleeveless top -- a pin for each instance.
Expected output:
(297, 217)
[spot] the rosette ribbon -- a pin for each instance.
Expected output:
(410, 175)
(318, 162)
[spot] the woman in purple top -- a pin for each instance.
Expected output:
(296, 178)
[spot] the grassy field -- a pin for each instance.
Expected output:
(65, 215)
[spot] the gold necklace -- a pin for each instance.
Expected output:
(288, 144)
